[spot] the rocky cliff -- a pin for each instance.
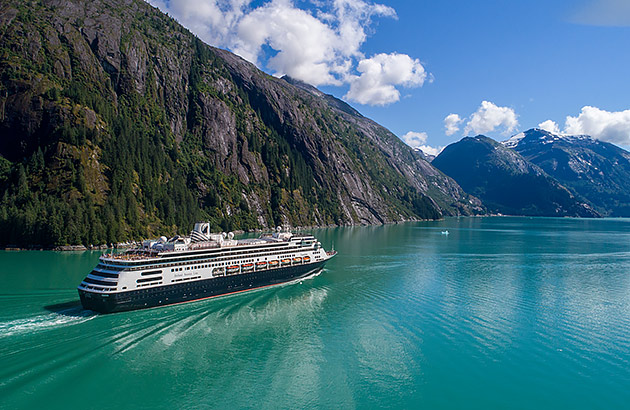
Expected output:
(116, 122)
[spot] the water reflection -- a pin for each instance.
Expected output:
(500, 312)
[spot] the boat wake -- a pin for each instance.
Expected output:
(311, 276)
(47, 321)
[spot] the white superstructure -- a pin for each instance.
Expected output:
(201, 256)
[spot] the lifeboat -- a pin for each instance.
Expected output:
(232, 269)
(247, 267)
(306, 259)
(273, 264)
(285, 262)
(261, 265)
(297, 259)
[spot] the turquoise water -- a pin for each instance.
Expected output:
(500, 313)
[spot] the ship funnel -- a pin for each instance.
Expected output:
(200, 233)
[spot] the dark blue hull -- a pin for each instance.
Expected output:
(194, 290)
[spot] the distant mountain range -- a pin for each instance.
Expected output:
(118, 123)
(595, 170)
(540, 173)
(505, 181)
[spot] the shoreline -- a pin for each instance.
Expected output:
(129, 244)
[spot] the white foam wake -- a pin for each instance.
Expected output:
(44, 322)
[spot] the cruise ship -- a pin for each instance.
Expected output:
(204, 265)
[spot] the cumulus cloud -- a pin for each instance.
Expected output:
(451, 124)
(604, 13)
(381, 74)
(320, 45)
(306, 47)
(604, 125)
(431, 150)
(415, 139)
(418, 140)
(489, 117)
(550, 126)
(213, 21)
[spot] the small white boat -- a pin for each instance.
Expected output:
(444, 232)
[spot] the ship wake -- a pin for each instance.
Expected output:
(65, 317)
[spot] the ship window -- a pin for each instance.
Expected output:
(151, 272)
(148, 279)
(104, 275)
(98, 282)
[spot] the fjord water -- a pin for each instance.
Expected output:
(500, 313)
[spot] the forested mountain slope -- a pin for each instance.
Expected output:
(118, 123)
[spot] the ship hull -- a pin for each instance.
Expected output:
(194, 290)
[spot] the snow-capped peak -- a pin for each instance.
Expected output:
(542, 137)
(513, 142)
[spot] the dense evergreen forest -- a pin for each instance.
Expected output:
(118, 124)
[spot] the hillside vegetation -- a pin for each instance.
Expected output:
(118, 123)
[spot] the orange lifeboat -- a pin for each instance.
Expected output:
(232, 269)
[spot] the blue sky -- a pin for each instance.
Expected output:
(527, 55)
(408, 65)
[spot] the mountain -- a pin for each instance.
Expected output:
(424, 155)
(118, 123)
(505, 181)
(329, 99)
(596, 170)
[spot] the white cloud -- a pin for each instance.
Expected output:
(381, 74)
(451, 124)
(489, 117)
(415, 139)
(604, 13)
(550, 126)
(604, 125)
(431, 150)
(213, 21)
(319, 46)
(418, 140)
(306, 47)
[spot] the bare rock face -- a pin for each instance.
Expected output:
(323, 143)
(122, 77)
